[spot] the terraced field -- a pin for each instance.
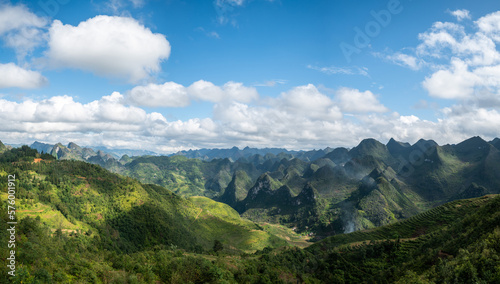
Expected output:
(412, 230)
(52, 217)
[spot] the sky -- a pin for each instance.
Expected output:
(171, 75)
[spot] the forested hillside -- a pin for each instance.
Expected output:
(333, 190)
(89, 207)
(79, 222)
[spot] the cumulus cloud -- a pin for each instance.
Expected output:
(353, 100)
(172, 94)
(169, 94)
(66, 113)
(18, 17)
(308, 102)
(265, 126)
(454, 83)
(490, 25)
(464, 61)
(301, 118)
(12, 75)
(461, 14)
(109, 46)
(21, 29)
(236, 91)
(446, 40)
(108, 121)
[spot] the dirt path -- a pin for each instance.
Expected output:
(201, 210)
(31, 211)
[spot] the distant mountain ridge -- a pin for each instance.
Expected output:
(76, 152)
(364, 187)
(235, 153)
(367, 186)
(104, 227)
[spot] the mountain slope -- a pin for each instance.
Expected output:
(83, 197)
(416, 177)
(236, 190)
(458, 242)
(3, 148)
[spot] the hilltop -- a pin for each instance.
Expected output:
(370, 185)
(367, 186)
(122, 228)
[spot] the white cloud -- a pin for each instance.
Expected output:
(169, 94)
(225, 10)
(207, 91)
(21, 29)
(138, 3)
(212, 34)
(308, 102)
(65, 113)
(353, 100)
(464, 60)
(109, 46)
(448, 40)
(461, 14)
(18, 17)
(277, 126)
(271, 83)
(236, 91)
(454, 83)
(440, 36)
(12, 75)
(119, 6)
(404, 60)
(302, 118)
(172, 94)
(332, 70)
(490, 25)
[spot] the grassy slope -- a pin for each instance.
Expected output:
(414, 227)
(218, 220)
(88, 198)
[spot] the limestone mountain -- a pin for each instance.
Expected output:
(3, 148)
(398, 179)
(496, 142)
(42, 147)
(236, 190)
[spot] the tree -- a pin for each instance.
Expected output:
(218, 246)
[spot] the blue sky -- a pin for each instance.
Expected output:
(166, 75)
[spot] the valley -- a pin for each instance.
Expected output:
(319, 192)
(344, 214)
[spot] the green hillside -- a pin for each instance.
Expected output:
(458, 242)
(413, 178)
(79, 222)
(115, 213)
(419, 225)
(3, 148)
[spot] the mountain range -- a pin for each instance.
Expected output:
(323, 192)
(75, 152)
(420, 212)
